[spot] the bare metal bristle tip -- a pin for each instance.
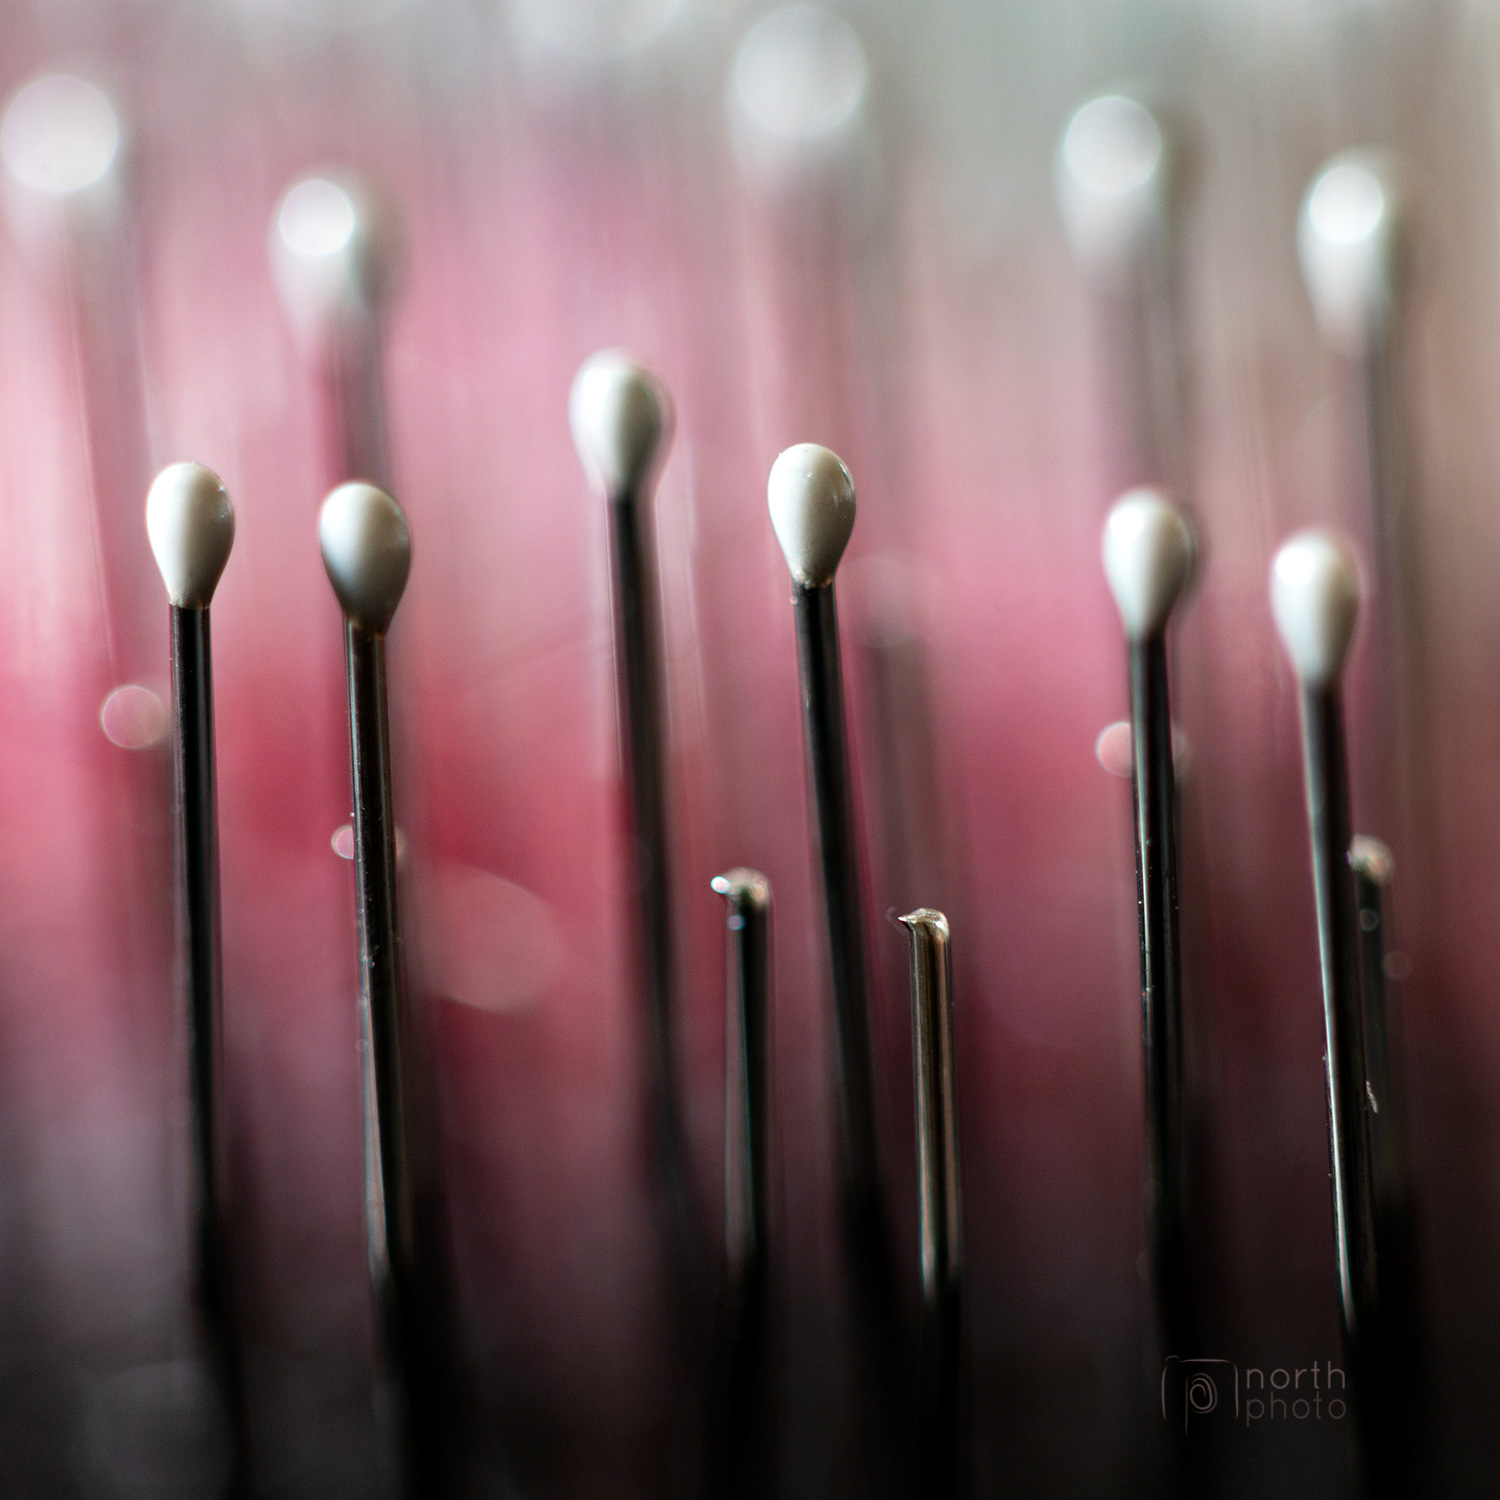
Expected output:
(811, 497)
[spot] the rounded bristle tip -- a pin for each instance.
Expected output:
(811, 497)
(190, 525)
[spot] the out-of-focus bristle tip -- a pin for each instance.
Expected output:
(1112, 180)
(1351, 236)
(337, 247)
(925, 919)
(621, 419)
(797, 93)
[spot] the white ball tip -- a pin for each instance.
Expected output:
(1349, 242)
(1315, 601)
(366, 552)
(337, 246)
(1111, 178)
(621, 419)
(1148, 559)
(811, 495)
(190, 525)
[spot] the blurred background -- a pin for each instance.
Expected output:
(820, 225)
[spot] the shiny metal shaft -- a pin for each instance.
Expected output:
(201, 977)
(1154, 787)
(1327, 784)
(939, 1203)
(866, 1233)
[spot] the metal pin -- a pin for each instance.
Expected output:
(190, 524)
(741, 1457)
(367, 554)
(940, 1203)
(1315, 600)
(64, 149)
(1148, 555)
(811, 498)
(1397, 1367)
(621, 421)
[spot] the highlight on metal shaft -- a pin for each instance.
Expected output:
(747, 1071)
(1354, 235)
(939, 1203)
(811, 499)
(1374, 869)
(190, 525)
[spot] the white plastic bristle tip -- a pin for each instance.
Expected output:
(621, 420)
(800, 75)
(1148, 558)
(366, 552)
(336, 248)
(190, 524)
(811, 495)
(1349, 237)
(1315, 601)
(1110, 177)
(60, 135)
